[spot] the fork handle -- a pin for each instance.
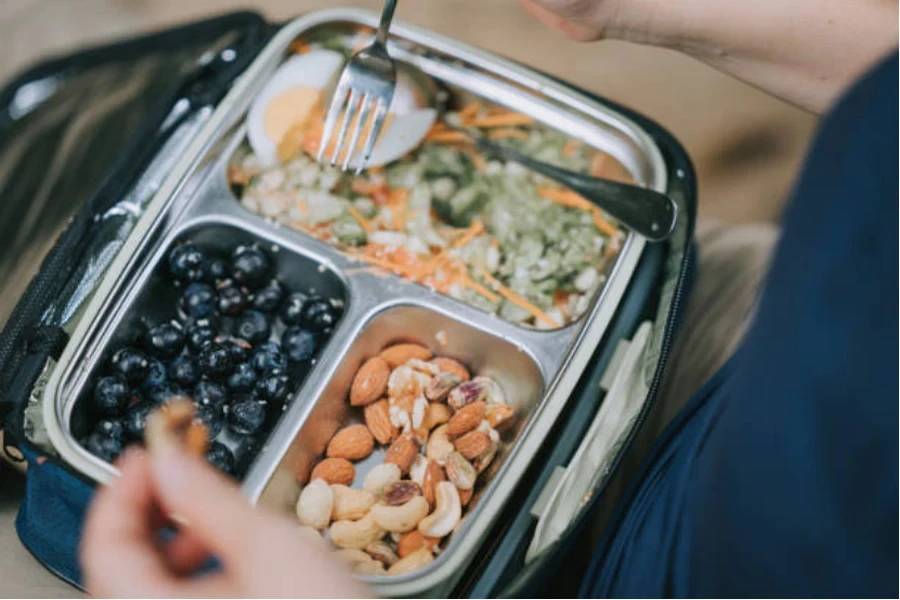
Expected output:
(646, 211)
(387, 15)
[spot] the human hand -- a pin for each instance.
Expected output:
(805, 51)
(262, 555)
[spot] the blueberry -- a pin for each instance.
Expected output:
(104, 446)
(247, 449)
(165, 340)
(187, 263)
(292, 311)
(269, 357)
(136, 419)
(217, 270)
(198, 301)
(166, 392)
(212, 416)
(267, 299)
(240, 350)
(221, 457)
(319, 315)
(156, 374)
(114, 428)
(248, 416)
(212, 393)
(298, 343)
(232, 300)
(111, 395)
(200, 334)
(273, 388)
(215, 361)
(131, 364)
(250, 266)
(184, 371)
(243, 379)
(253, 326)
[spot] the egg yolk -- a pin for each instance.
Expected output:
(289, 108)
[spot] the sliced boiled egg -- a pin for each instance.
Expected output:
(287, 115)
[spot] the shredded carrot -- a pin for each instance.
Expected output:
(405, 270)
(299, 47)
(474, 230)
(597, 163)
(362, 220)
(572, 200)
(506, 120)
(448, 137)
(470, 111)
(570, 148)
(477, 287)
(478, 160)
(301, 206)
(518, 300)
(507, 132)
(602, 224)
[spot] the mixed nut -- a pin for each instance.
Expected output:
(238, 341)
(440, 428)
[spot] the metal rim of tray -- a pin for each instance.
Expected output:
(563, 359)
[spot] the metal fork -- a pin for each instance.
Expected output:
(366, 83)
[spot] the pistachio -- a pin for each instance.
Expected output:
(440, 385)
(380, 477)
(466, 393)
(493, 392)
(460, 471)
(401, 492)
(382, 552)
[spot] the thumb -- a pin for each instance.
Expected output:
(205, 502)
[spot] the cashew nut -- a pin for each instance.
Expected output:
(439, 445)
(447, 513)
(400, 518)
(417, 470)
(380, 477)
(314, 505)
(350, 504)
(355, 534)
(412, 562)
(370, 567)
(353, 556)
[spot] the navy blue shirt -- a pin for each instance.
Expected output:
(780, 478)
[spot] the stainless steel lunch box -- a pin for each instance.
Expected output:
(537, 369)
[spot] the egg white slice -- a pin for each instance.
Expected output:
(401, 136)
(314, 70)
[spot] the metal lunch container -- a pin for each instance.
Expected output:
(537, 369)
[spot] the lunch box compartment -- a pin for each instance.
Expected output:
(481, 352)
(155, 298)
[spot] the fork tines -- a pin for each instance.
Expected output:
(352, 106)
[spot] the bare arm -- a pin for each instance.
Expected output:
(804, 51)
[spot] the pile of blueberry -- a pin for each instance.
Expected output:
(220, 349)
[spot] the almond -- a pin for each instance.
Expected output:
(460, 471)
(498, 414)
(473, 444)
(413, 540)
(401, 492)
(434, 474)
(303, 467)
(378, 419)
(334, 470)
(402, 452)
(353, 443)
(466, 419)
(398, 354)
(464, 496)
(370, 382)
(454, 367)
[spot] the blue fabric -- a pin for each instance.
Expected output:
(780, 479)
(51, 516)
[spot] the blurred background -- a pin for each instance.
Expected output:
(746, 146)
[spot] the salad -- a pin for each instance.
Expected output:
(486, 232)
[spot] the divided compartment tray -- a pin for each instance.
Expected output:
(538, 369)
